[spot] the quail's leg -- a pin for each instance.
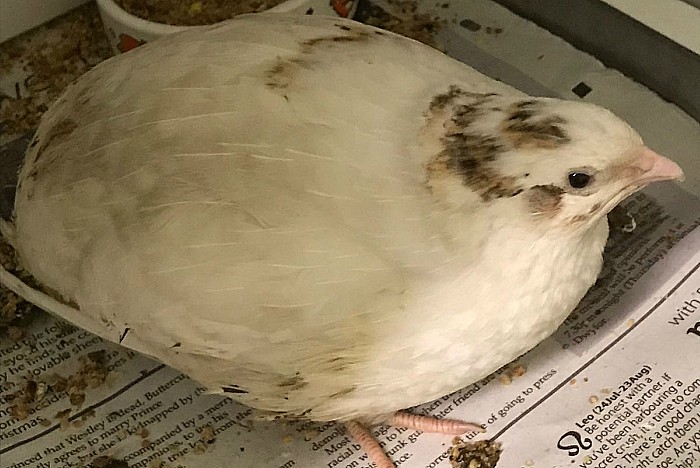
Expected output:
(412, 421)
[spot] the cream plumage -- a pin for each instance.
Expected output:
(317, 217)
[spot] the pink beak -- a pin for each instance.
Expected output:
(656, 168)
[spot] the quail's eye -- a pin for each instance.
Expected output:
(579, 180)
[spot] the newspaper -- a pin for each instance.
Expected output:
(618, 386)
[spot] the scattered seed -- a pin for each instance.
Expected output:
(480, 454)
(108, 462)
(518, 371)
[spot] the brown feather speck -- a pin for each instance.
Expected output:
(468, 152)
(280, 75)
(545, 199)
(293, 383)
(59, 132)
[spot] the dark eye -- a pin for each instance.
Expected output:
(579, 180)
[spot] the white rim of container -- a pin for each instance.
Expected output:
(122, 16)
(162, 29)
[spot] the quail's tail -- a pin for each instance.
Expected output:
(36, 297)
(22, 289)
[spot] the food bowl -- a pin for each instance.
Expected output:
(126, 31)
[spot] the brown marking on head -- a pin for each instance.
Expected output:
(56, 134)
(595, 208)
(440, 101)
(579, 218)
(470, 156)
(544, 199)
(464, 115)
(529, 126)
(437, 166)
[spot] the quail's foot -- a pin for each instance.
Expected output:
(411, 421)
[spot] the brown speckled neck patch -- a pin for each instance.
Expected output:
(444, 100)
(468, 152)
(544, 200)
(529, 125)
(470, 155)
(282, 73)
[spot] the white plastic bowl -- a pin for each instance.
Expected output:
(126, 31)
